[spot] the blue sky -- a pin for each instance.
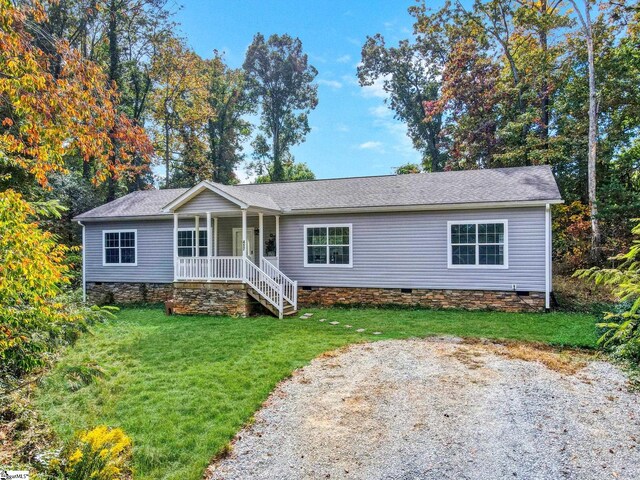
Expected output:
(352, 131)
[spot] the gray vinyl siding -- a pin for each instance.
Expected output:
(154, 252)
(155, 247)
(208, 201)
(409, 250)
(390, 250)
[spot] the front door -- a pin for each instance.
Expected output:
(237, 243)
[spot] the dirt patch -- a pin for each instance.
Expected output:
(439, 409)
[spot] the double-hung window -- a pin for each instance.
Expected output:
(187, 244)
(119, 247)
(327, 245)
(478, 244)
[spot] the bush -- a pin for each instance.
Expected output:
(37, 314)
(621, 326)
(100, 454)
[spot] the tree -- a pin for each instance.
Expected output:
(411, 79)
(180, 109)
(279, 79)
(587, 30)
(47, 118)
(292, 172)
(408, 168)
(228, 129)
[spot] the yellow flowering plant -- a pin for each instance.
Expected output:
(102, 453)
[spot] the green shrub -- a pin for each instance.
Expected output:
(621, 326)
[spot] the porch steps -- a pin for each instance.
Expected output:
(288, 308)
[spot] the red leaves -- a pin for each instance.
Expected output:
(73, 113)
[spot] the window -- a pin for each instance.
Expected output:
(120, 247)
(478, 244)
(327, 245)
(186, 242)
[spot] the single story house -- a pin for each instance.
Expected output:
(464, 239)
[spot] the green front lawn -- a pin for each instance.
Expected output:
(181, 387)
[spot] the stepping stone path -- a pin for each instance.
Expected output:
(334, 323)
(306, 315)
(377, 333)
(347, 326)
(360, 330)
(322, 320)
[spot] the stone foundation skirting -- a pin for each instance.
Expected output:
(209, 298)
(103, 293)
(441, 299)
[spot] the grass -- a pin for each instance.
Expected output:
(181, 387)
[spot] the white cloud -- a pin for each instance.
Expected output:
(350, 80)
(381, 111)
(341, 127)
(343, 59)
(330, 83)
(371, 145)
(376, 90)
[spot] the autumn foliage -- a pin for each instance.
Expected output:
(59, 104)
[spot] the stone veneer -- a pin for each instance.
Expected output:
(444, 299)
(102, 293)
(220, 298)
(211, 298)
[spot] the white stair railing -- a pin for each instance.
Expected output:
(289, 287)
(266, 286)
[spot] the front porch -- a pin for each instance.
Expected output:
(213, 249)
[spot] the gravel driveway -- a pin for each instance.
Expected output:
(441, 409)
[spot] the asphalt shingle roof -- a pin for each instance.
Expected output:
(520, 184)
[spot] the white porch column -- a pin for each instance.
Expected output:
(209, 246)
(278, 241)
(215, 237)
(175, 246)
(244, 233)
(244, 244)
(261, 234)
(196, 240)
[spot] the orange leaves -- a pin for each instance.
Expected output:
(47, 117)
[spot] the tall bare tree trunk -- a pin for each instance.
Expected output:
(593, 129)
(114, 77)
(593, 140)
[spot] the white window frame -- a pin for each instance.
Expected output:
(477, 265)
(104, 248)
(187, 229)
(328, 265)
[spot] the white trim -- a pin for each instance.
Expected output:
(547, 257)
(196, 236)
(477, 265)
(215, 237)
(278, 239)
(209, 239)
(176, 222)
(261, 234)
(84, 263)
(120, 264)
(327, 226)
(194, 191)
(420, 208)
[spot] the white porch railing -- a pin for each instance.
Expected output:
(266, 279)
(289, 287)
(208, 268)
